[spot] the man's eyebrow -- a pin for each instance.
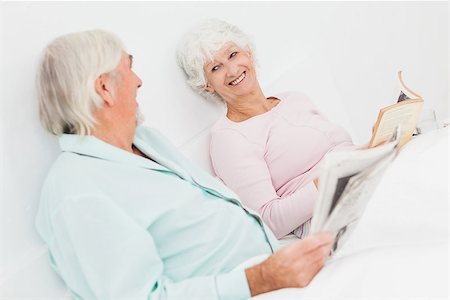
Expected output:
(131, 60)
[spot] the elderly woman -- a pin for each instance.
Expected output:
(266, 148)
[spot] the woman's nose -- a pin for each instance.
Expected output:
(232, 70)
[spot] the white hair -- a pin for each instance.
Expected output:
(66, 77)
(199, 46)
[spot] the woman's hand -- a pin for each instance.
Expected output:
(316, 182)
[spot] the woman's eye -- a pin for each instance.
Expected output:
(233, 54)
(215, 68)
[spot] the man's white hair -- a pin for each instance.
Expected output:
(199, 46)
(66, 77)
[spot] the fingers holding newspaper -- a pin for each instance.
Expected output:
(292, 266)
(316, 182)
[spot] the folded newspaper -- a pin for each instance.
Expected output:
(346, 184)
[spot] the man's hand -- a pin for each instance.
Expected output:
(293, 266)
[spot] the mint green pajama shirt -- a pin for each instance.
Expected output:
(122, 227)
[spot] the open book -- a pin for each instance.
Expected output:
(346, 183)
(404, 114)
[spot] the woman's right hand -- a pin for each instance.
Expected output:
(316, 182)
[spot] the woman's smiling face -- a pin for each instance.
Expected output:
(230, 73)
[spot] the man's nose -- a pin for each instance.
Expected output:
(139, 82)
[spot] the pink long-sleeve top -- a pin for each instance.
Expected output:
(271, 159)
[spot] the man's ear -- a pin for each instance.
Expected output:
(103, 87)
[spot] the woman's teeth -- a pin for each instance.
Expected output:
(239, 79)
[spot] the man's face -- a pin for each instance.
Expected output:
(126, 86)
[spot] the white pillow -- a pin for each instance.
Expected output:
(312, 77)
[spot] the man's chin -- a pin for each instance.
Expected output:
(139, 118)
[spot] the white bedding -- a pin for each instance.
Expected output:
(400, 248)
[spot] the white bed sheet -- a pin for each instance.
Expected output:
(400, 248)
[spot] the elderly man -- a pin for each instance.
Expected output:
(124, 214)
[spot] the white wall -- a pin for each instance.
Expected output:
(360, 45)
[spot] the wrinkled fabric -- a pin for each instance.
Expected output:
(120, 226)
(271, 159)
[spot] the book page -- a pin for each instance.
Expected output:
(404, 114)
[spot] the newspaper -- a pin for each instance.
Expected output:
(346, 183)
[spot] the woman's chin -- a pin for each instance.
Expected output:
(245, 90)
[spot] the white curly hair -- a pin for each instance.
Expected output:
(199, 45)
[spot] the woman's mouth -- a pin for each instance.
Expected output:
(238, 80)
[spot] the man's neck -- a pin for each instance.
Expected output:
(113, 129)
(118, 138)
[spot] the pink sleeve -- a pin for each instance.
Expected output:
(241, 165)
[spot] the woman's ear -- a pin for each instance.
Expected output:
(103, 87)
(208, 88)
